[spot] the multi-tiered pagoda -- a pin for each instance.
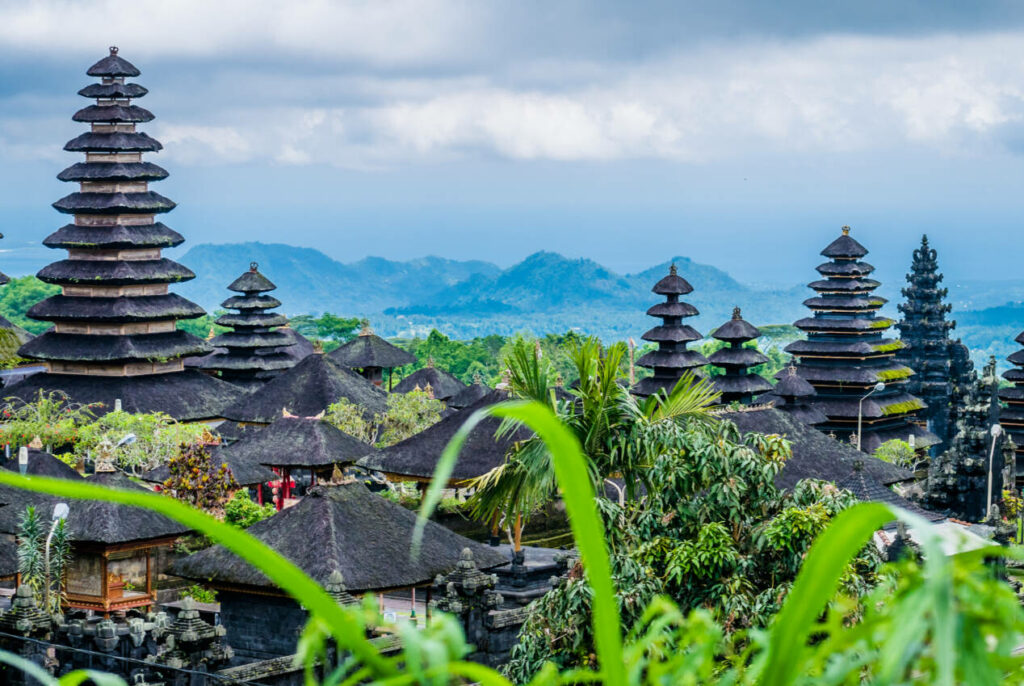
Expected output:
(115, 335)
(738, 383)
(794, 396)
(252, 351)
(924, 334)
(671, 360)
(846, 355)
(1012, 415)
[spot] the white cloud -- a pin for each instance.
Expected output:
(825, 94)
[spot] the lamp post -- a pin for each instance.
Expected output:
(860, 409)
(996, 432)
(60, 513)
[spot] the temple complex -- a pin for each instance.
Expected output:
(927, 349)
(253, 350)
(114, 334)
(671, 361)
(859, 385)
(738, 383)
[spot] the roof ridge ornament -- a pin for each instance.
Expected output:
(113, 50)
(846, 229)
(254, 266)
(736, 313)
(672, 270)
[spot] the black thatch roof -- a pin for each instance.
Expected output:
(187, 396)
(113, 65)
(815, 455)
(113, 171)
(113, 113)
(246, 472)
(370, 350)
(417, 455)
(113, 142)
(120, 309)
(298, 442)
(736, 329)
(252, 282)
(299, 347)
(469, 395)
(866, 488)
(443, 384)
(112, 523)
(230, 431)
(306, 390)
(42, 463)
(844, 247)
(155, 235)
(51, 345)
(113, 90)
(145, 202)
(115, 273)
(673, 284)
(345, 529)
(8, 557)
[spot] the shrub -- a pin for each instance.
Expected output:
(243, 512)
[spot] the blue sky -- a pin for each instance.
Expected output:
(742, 134)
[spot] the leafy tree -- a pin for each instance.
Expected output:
(712, 532)
(50, 416)
(202, 326)
(19, 295)
(32, 533)
(158, 438)
(327, 327)
(243, 512)
(406, 415)
(897, 452)
(196, 480)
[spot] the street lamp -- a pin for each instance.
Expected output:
(996, 432)
(60, 513)
(860, 409)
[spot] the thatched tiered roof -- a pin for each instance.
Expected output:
(114, 333)
(443, 385)
(738, 383)
(671, 360)
(469, 395)
(368, 350)
(344, 529)
(254, 350)
(416, 457)
(845, 354)
(815, 455)
(245, 472)
(298, 442)
(307, 389)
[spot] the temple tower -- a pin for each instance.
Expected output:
(1012, 415)
(252, 350)
(846, 358)
(671, 360)
(115, 333)
(927, 349)
(738, 383)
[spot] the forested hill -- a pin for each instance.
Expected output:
(545, 292)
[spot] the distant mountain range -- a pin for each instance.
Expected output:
(543, 293)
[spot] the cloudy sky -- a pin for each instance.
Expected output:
(740, 133)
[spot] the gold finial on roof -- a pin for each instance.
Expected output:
(672, 269)
(210, 336)
(846, 230)
(36, 444)
(365, 329)
(254, 267)
(477, 379)
(736, 313)
(430, 361)
(429, 390)
(318, 347)
(113, 49)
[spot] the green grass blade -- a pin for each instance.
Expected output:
(815, 585)
(278, 569)
(570, 467)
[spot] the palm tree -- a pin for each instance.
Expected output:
(620, 435)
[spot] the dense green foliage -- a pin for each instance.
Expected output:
(406, 414)
(20, 294)
(243, 512)
(897, 452)
(327, 327)
(712, 533)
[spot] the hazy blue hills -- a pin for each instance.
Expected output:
(545, 292)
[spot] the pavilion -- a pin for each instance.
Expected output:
(371, 355)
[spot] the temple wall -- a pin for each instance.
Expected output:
(260, 627)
